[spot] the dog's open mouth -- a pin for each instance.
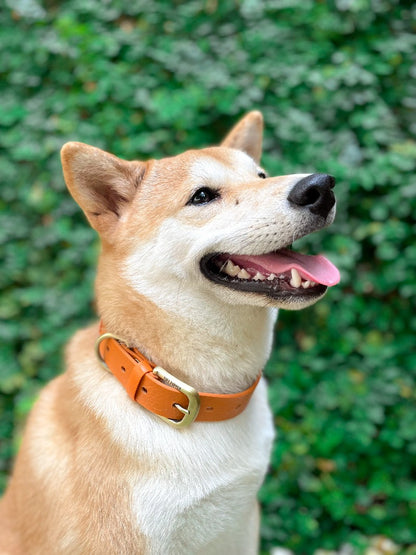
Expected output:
(283, 273)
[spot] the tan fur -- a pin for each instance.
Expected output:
(66, 447)
(96, 473)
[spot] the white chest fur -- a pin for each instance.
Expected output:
(205, 489)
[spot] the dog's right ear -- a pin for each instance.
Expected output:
(247, 135)
(101, 183)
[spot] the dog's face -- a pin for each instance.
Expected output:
(207, 223)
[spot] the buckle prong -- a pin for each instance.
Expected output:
(180, 408)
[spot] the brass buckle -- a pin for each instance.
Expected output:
(97, 348)
(191, 412)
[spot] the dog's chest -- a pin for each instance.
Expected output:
(190, 515)
(202, 485)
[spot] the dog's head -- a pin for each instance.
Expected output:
(207, 222)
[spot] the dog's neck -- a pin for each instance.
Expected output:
(217, 348)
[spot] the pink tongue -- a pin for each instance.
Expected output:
(314, 268)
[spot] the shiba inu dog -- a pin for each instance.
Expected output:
(156, 438)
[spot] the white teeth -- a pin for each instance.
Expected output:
(231, 269)
(234, 270)
(243, 274)
(259, 277)
(296, 279)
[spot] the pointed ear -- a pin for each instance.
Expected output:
(101, 183)
(247, 135)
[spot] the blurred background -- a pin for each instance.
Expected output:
(336, 84)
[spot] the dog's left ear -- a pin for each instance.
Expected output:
(247, 135)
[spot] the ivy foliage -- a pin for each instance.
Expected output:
(335, 82)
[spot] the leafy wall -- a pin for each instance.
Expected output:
(336, 84)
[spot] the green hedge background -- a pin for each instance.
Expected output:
(336, 83)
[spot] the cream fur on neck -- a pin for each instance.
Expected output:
(233, 341)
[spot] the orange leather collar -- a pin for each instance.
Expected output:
(161, 393)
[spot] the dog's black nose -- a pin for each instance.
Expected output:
(315, 193)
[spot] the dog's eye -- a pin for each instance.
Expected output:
(261, 173)
(203, 196)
